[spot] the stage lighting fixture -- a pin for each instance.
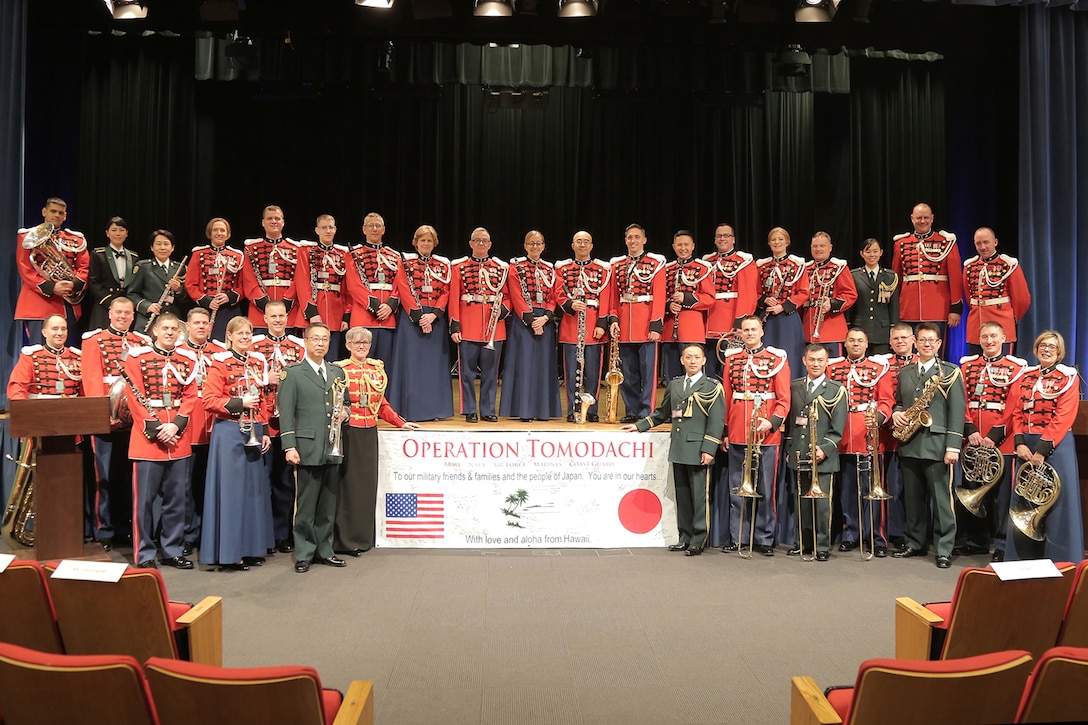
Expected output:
(126, 9)
(494, 8)
(815, 11)
(383, 4)
(793, 62)
(577, 8)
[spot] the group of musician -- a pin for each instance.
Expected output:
(757, 322)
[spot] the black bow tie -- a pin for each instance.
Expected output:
(118, 255)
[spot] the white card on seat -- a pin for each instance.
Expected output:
(92, 571)
(1027, 569)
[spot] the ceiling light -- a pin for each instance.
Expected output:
(383, 4)
(126, 9)
(577, 8)
(494, 8)
(815, 11)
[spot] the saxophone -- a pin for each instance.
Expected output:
(614, 377)
(917, 415)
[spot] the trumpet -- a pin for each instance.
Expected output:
(52, 264)
(167, 296)
(247, 423)
(819, 305)
(749, 482)
(614, 378)
(339, 415)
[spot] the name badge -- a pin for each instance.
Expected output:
(1029, 405)
(979, 390)
(802, 420)
(539, 298)
(200, 378)
(427, 288)
(60, 387)
(677, 413)
(167, 400)
(271, 267)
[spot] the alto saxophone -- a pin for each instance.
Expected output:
(917, 415)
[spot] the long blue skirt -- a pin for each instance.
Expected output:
(237, 498)
(530, 382)
(1062, 524)
(785, 332)
(422, 389)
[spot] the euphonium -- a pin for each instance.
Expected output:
(984, 466)
(749, 481)
(917, 415)
(49, 260)
(1038, 485)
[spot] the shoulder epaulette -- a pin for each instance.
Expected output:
(375, 362)
(253, 241)
(972, 260)
(306, 243)
(297, 340)
(897, 237)
(440, 258)
(655, 255)
(797, 259)
(91, 333)
(1017, 360)
(222, 356)
(615, 260)
(947, 235)
(967, 358)
(186, 353)
(1068, 370)
(31, 349)
(834, 360)
(139, 350)
(96, 250)
(776, 350)
(460, 259)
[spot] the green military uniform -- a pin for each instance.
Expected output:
(825, 407)
(925, 475)
(698, 418)
(306, 405)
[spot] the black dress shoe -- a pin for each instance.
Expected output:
(187, 548)
(629, 419)
(881, 552)
(898, 542)
(472, 418)
(149, 564)
(491, 418)
(796, 551)
(570, 417)
(526, 420)
(302, 567)
(178, 562)
(848, 546)
(943, 562)
(331, 561)
(969, 550)
(107, 544)
(284, 546)
(998, 555)
(694, 551)
(240, 566)
(729, 547)
(356, 552)
(253, 560)
(908, 553)
(593, 418)
(822, 556)
(764, 549)
(678, 547)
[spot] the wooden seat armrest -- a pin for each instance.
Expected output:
(808, 706)
(358, 705)
(204, 626)
(913, 629)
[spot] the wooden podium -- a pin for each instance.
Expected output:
(58, 474)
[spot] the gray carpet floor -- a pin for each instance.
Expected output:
(569, 636)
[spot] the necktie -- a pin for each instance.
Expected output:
(321, 371)
(808, 388)
(687, 384)
(872, 277)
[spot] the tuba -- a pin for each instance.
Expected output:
(1039, 486)
(985, 467)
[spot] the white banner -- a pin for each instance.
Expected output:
(488, 489)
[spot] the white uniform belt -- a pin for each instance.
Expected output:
(381, 286)
(988, 303)
(925, 278)
(110, 379)
(751, 396)
(276, 282)
(478, 298)
(592, 303)
(976, 405)
(726, 295)
(636, 298)
(157, 403)
(327, 287)
(861, 408)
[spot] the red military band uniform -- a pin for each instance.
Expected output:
(213, 270)
(319, 281)
(36, 298)
(531, 284)
(869, 386)
(375, 276)
(997, 292)
(231, 374)
(989, 384)
(930, 276)
(103, 355)
(279, 352)
(694, 278)
(785, 280)
(637, 296)
(765, 373)
(736, 290)
(269, 274)
(477, 286)
(582, 281)
(830, 279)
(167, 393)
(896, 363)
(42, 372)
(200, 423)
(428, 281)
(366, 394)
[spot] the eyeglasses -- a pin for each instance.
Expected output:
(534, 244)
(480, 241)
(1047, 346)
(373, 225)
(318, 339)
(725, 236)
(353, 343)
(927, 341)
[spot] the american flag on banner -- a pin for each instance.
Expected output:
(415, 516)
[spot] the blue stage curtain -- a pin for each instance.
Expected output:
(1053, 169)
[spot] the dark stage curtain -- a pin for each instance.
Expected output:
(1054, 165)
(12, 80)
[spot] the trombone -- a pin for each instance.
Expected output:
(876, 488)
(749, 483)
(814, 489)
